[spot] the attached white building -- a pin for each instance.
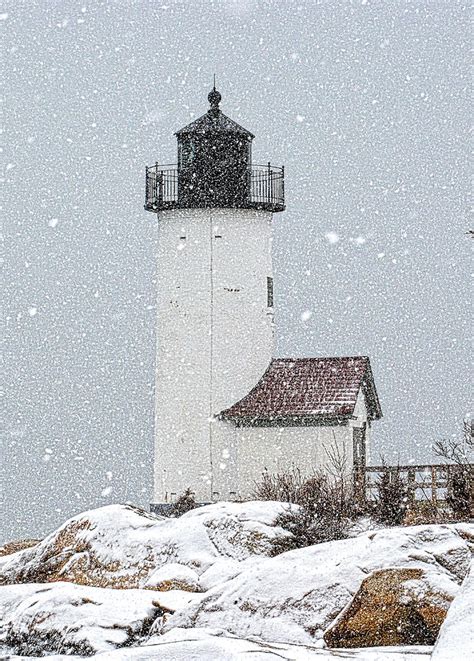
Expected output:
(226, 410)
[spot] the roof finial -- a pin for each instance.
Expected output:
(214, 97)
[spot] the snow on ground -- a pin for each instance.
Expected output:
(456, 636)
(294, 597)
(243, 600)
(215, 645)
(120, 546)
(201, 645)
(173, 576)
(74, 619)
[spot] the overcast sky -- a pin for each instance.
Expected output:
(366, 105)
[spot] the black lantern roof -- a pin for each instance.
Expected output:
(214, 120)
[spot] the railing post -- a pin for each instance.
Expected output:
(283, 184)
(269, 183)
(159, 185)
(146, 185)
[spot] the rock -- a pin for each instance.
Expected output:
(294, 597)
(221, 571)
(13, 547)
(217, 645)
(73, 619)
(400, 606)
(173, 576)
(455, 640)
(121, 546)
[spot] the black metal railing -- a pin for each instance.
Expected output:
(161, 186)
(262, 188)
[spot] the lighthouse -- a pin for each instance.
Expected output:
(225, 408)
(214, 295)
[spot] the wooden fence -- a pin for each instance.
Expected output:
(425, 482)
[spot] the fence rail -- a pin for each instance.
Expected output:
(425, 482)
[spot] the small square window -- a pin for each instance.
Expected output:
(270, 292)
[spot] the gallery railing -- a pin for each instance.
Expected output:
(263, 187)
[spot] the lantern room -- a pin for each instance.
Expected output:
(214, 169)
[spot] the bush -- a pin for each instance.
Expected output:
(460, 492)
(283, 487)
(184, 503)
(391, 500)
(321, 510)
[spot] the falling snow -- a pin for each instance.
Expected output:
(367, 108)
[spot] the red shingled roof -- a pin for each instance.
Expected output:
(308, 387)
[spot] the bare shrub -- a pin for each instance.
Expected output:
(323, 503)
(283, 487)
(323, 514)
(184, 503)
(460, 496)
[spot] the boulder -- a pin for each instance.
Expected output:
(455, 640)
(218, 645)
(220, 572)
(73, 619)
(294, 597)
(398, 606)
(120, 546)
(18, 545)
(173, 576)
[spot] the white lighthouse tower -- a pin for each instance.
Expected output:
(214, 300)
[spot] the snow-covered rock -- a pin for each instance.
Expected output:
(396, 606)
(456, 636)
(209, 645)
(238, 600)
(13, 547)
(74, 619)
(121, 546)
(294, 597)
(173, 576)
(221, 571)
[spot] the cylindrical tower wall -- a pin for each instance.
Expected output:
(214, 335)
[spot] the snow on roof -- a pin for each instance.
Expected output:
(306, 388)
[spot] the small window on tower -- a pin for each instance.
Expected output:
(270, 292)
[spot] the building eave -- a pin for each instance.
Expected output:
(287, 421)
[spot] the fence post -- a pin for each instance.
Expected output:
(434, 486)
(360, 486)
(411, 487)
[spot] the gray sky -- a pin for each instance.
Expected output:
(366, 104)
